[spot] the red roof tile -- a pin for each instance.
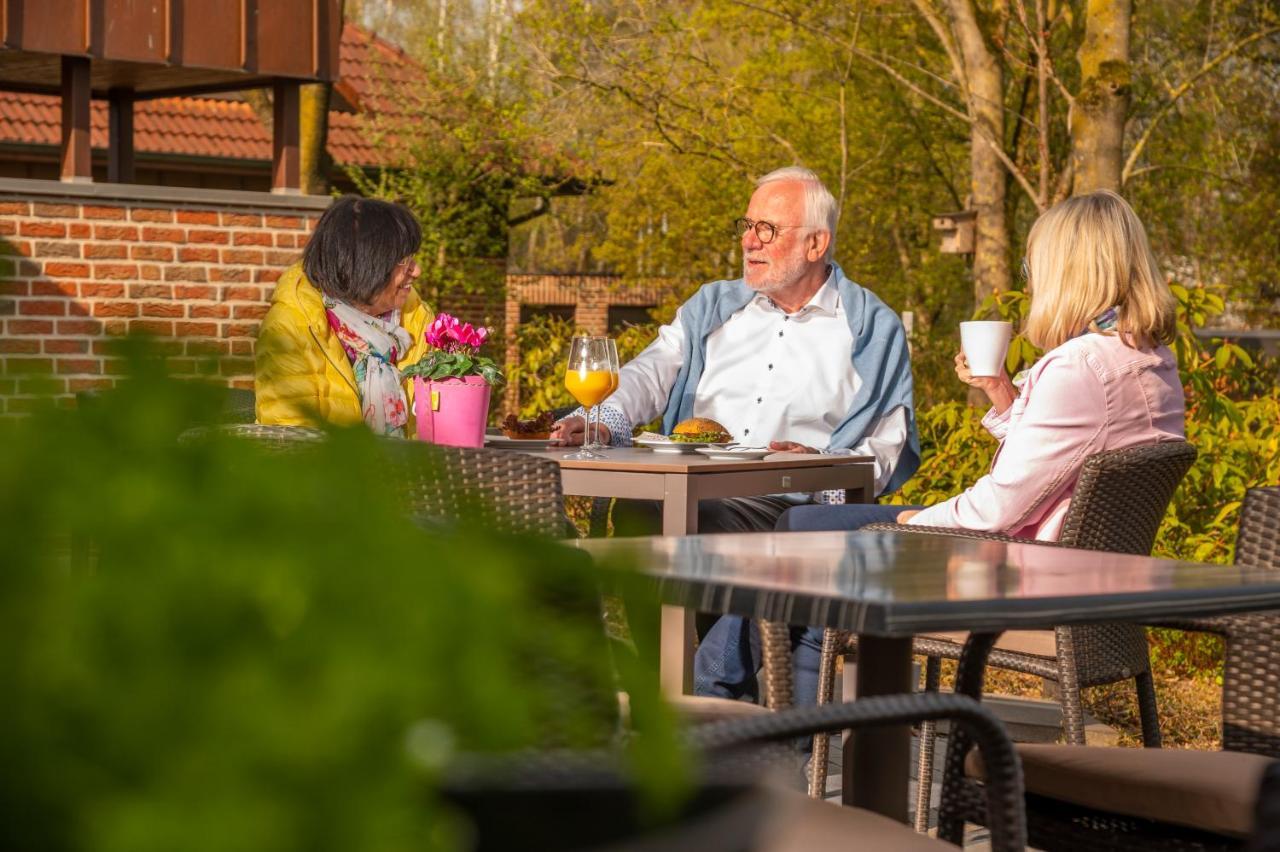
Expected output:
(227, 128)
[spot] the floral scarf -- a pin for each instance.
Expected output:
(373, 345)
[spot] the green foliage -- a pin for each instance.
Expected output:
(543, 344)
(438, 364)
(955, 451)
(1233, 419)
(206, 646)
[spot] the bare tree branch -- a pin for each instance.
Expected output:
(1181, 89)
(940, 29)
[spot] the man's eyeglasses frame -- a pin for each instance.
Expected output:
(765, 231)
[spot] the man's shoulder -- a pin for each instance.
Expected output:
(714, 296)
(720, 289)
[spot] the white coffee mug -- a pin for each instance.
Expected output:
(985, 344)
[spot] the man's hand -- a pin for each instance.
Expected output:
(903, 517)
(790, 447)
(570, 432)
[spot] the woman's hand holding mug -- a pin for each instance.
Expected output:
(999, 389)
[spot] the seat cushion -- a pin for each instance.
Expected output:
(1210, 790)
(801, 824)
(1038, 643)
(700, 709)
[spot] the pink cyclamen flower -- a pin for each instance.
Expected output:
(447, 333)
(472, 337)
(437, 334)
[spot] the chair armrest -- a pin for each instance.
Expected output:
(1217, 624)
(1004, 789)
(961, 533)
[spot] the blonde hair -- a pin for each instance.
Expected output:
(1088, 254)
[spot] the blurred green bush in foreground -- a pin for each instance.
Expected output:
(206, 646)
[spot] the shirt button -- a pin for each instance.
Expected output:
(770, 366)
(779, 334)
(746, 431)
(759, 399)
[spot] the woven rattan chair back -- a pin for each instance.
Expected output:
(1251, 670)
(238, 406)
(270, 438)
(1121, 496)
(1119, 501)
(504, 491)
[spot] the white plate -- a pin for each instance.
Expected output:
(502, 442)
(732, 453)
(663, 444)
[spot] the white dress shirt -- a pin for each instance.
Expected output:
(769, 376)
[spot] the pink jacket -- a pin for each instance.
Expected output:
(1090, 394)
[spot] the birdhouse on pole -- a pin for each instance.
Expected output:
(957, 231)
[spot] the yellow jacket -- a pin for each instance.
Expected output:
(301, 373)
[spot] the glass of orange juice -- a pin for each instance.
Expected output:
(589, 380)
(611, 353)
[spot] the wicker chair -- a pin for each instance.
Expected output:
(1159, 799)
(822, 824)
(239, 406)
(1118, 503)
(511, 492)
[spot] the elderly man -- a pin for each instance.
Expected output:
(793, 355)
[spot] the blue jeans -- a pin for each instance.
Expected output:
(729, 655)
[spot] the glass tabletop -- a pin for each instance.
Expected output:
(895, 583)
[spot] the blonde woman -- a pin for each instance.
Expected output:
(1103, 314)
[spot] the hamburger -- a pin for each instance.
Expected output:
(700, 430)
(537, 429)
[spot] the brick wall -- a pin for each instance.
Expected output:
(81, 264)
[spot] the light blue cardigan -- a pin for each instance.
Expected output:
(880, 358)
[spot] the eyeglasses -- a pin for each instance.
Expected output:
(765, 231)
(407, 263)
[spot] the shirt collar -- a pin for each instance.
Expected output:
(825, 301)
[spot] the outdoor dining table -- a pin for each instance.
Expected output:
(679, 481)
(889, 586)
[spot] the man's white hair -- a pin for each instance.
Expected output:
(820, 208)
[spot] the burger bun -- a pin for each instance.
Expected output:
(700, 430)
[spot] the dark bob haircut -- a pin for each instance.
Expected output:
(356, 246)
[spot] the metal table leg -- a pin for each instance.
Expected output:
(877, 760)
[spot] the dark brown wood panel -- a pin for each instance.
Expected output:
(207, 33)
(328, 33)
(120, 161)
(129, 29)
(76, 153)
(285, 37)
(285, 154)
(47, 26)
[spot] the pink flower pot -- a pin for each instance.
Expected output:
(452, 412)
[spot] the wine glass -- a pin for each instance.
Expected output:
(588, 380)
(611, 352)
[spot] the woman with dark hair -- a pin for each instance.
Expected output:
(343, 321)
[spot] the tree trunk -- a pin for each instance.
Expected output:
(314, 126)
(1102, 104)
(985, 93)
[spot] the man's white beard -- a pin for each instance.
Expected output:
(778, 275)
